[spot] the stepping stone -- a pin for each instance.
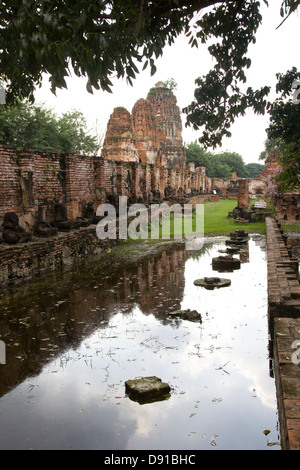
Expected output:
(212, 282)
(225, 263)
(144, 388)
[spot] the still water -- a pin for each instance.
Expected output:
(74, 338)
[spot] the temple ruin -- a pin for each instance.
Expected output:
(152, 133)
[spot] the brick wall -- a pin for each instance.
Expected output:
(80, 184)
(152, 133)
(283, 283)
(229, 187)
(25, 261)
(10, 191)
(284, 324)
(287, 208)
(33, 179)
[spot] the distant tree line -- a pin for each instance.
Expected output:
(25, 125)
(28, 126)
(222, 164)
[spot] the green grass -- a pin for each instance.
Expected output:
(217, 222)
(291, 228)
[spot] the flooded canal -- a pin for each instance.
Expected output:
(73, 339)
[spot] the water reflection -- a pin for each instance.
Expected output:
(42, 319)
(75, 338)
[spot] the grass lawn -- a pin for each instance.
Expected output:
(291, 228)
(217, 222)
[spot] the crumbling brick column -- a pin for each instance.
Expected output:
(243, 194)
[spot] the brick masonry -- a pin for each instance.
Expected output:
(152, 133)
(286, 205)
(284, 329)
(283, 283)
(287, 208)
(287, 374)
(28, 260)
(33, 179)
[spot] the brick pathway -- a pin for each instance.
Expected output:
(284, 325)
(287, 376)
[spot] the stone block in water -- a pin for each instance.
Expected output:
(144, 388)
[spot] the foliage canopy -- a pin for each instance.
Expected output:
(222, 164)
(284, 129)
(100, 39)
(36, 127)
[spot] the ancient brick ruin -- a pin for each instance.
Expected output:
(272, 169)
(143, 158)
(287, 208)
(152, 133)
(286, 205)
(33, 183)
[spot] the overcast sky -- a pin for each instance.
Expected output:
(275, 51)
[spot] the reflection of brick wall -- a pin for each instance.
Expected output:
(155, 285)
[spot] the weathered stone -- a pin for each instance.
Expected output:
(225, 263)
(233, 249)
(147, 388)
(44, 229)
(119, 143)
(169, 126)
(151, 134)
(211, 283)
(287, 207)
(190, 315)
(84, 222)
(90, 213)
(243, 194)
(237, 241)
(12, 231)
(10, 220)
(61, 221)
(10, 237)
(241, 221)
(238, 234)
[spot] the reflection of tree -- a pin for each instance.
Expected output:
(207, 246)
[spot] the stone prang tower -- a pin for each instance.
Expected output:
(151, 134)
